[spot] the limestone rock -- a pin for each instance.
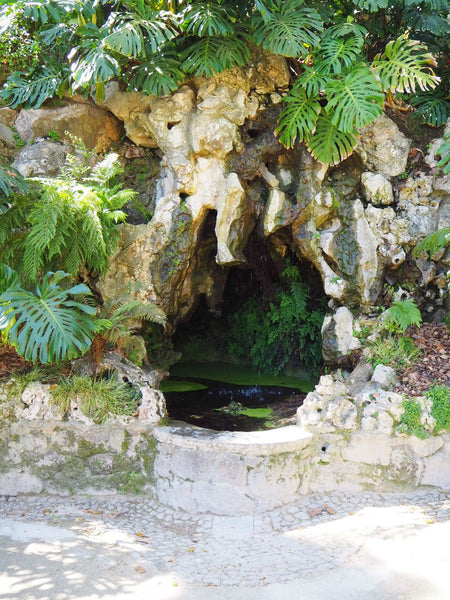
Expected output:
(377, 189)
(38, 402)
(278, 212)
(385, 377)
(383, 148)
(338, 340)
(8, 116)
(45, 157)
(97, 128)
(6, 136)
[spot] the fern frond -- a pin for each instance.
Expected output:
(328, 144)
(287, 29)
(434, 242)
(404, 64)
(403, 314)
(208, 19)
(356, 100)
(298, 118)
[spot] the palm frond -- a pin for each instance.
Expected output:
(286, 29)
(298, 118)
(404, 64)
(356, 100)
(328, 144)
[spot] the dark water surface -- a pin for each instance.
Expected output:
(219, 386)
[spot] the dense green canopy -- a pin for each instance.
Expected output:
(345, 57)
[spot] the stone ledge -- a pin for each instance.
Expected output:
(249, 443)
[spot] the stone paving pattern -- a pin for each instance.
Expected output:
(138, 535)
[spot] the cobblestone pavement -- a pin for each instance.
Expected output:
(124, 547)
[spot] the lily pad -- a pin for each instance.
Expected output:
(182, 386)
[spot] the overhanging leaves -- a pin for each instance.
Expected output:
(298, 118)
(356, 100)
(328, 144)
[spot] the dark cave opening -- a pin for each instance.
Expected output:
(266, 288)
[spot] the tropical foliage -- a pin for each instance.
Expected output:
(66, 222)
(50, 325)
(345, 58)
(281, 333)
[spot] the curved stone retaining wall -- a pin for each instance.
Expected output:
(225, 473)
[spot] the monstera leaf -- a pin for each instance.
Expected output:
(48, 326)
(286, 28)
(356, 100)
(298, 118)
(215, 54)
(404, 65)
(208, 19)
(338, 53)
(329, 144)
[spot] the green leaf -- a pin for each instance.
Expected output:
(404, 313)
(404, 64)
(435, 241)
(128, 40)
(444, 153)
(338, 53)
(96, 66)
(356, 100)
(11, 181)
(298, 118)
(287, 29)
(432, 109)
(208, 19)
(212, 55)
(49, 326)
(31, 91)
(371, 5)
(312, 81)
(330, 145)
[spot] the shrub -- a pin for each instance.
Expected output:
(396, 352)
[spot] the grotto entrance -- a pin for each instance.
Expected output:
(248, 363)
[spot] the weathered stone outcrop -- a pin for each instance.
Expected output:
(96, 127)
(224, 179)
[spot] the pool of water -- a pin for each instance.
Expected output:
(227, 397)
